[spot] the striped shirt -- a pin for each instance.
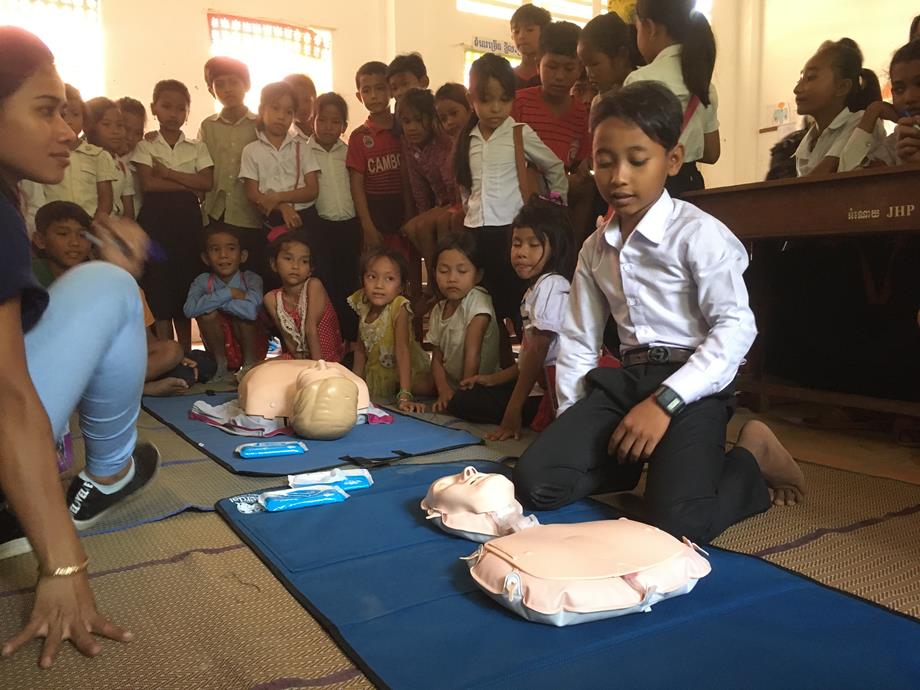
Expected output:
(374, 151)
(566, 136)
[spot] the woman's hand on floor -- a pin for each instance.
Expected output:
(65, 609)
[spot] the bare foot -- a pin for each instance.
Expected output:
(779, 469)
(166, 387)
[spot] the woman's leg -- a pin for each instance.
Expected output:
(89, 351)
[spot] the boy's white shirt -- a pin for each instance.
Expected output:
(676, 281)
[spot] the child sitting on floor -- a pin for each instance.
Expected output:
(225, 301)
(671, 275)
(541, 254)
(461, 327)
(60, 238)
(387, 356)
(300, 308)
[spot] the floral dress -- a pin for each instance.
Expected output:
(379, 339)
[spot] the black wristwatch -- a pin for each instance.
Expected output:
(669, 401)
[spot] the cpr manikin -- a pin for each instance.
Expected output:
(320, 399)
(476, 506)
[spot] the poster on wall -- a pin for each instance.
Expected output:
(624, 8)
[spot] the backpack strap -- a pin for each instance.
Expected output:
(520, 162)
(297, 155)
(692, 105)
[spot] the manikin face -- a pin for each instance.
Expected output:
(472, 492)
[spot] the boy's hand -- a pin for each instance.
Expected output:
(291, 217)
(410, 406)
(638, 433)
(509, 428)
(441, 403)
(481, 379)
(237, 293)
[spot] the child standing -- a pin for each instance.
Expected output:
(461, 327)
(338, 223)
(105, 128)
(134, 119)
(225, 301)
(542, 254)
(527, 22)
(677, 43)
(173, 170)
(487, 176)
(279, 172)
(88, 179)
(374, 163)
(387, 356)
(300, 308)
(305, 96)
(226, 134)
(671, 276)
(60, 237)
(607, 48)
(453, 105)
(406, 72)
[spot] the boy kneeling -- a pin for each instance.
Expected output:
(225, 302)
(671, 276)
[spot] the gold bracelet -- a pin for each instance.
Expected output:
(65, 570)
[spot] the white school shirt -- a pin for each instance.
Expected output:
(449, 335)
(544, 307)
(89, 165)
(863, 146)
(830, 142)
(334, 201)
(495, 196)
(122, 186)
(666, 69)
(187, 156)
(676, 281)
(276, 169)
(135, 181)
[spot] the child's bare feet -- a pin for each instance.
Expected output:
(171, 385)
(779, 469)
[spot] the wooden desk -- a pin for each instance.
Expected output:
(862, 202)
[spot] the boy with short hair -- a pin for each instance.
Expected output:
(374, 164)
(671, 277)
(226, 134)
(60, 228)
(305, 95)
(225, 301)
(406, 72)
(527, 24)
(134, 117)
(558, 118)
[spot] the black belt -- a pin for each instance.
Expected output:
(655, 355)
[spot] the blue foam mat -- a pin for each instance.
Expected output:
(388, 586)
(366, 444)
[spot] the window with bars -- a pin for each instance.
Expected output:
(58, 22)
(272, 50)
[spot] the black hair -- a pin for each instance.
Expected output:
(386, 253)
(552, 224)
(452, 91)
(650, 105)
(463, 242)
(73, 94)
(132, 106)
(221, 66)
(914, 27)
(560, 38)
(173, 85)
(95, 109)
(610, 35)
(21, 55)
(272, 93)
(691, 29)
(301, 81)
(906, 53)
(56, 211)
(212, 229)
(409, 62)
(422, 102)
(333, 99)
(374, 67)
(531, 15)
(488, 66)
(277, 244)
(847, 62)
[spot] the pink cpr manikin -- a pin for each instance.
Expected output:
(567, 574)
(476, 506)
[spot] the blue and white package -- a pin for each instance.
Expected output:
(349, 480)
(301, 497)
(270, 449)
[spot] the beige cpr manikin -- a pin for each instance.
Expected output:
(476, 506)
(268, 390)
(325, 408)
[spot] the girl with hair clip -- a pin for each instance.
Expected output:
(543, 255)
(485, 162)
(677, 43)
(607, 48)
(834, 90)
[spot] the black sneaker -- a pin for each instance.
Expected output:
(87, 504)
(12, 539)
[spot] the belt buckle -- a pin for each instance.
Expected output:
(658, 355)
